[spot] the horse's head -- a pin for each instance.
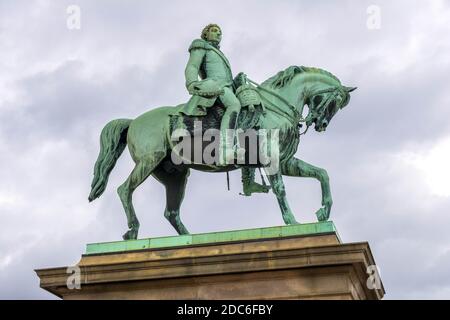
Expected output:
(325, 103)
(319, 89)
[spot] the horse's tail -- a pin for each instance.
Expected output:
(113, 141)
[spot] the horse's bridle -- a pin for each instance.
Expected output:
(323, 104)
(297, 118)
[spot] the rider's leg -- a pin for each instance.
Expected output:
(228, 126)
(248, 182)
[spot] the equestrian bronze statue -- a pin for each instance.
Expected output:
(223, 108)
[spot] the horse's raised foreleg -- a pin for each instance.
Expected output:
(276, 181)
(175, 183)
(140, 172)
(298, 168)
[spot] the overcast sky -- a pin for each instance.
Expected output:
(387, 153)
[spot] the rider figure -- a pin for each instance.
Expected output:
(207, 61)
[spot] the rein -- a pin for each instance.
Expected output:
(297, 116)
(295, 119)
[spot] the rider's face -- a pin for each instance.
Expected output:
(215, 34)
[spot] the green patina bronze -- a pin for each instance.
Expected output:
(307, 229)
(221, 102)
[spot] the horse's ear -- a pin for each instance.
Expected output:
(347, 96)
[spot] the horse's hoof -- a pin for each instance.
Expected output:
(130, 235)
(321, 215)
(290, 220)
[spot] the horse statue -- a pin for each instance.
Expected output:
(283, 98)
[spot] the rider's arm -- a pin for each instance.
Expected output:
(193, 66)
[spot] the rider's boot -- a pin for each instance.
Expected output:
(227, 137)
(248, 183)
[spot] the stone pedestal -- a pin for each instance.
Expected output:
(291, 262)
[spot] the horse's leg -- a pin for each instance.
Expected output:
(140, 172)
(298, 168)
(276, 181)
(175, 183)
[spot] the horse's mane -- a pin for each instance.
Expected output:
(283, 77)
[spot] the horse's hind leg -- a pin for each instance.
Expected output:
(174, 179)
(140, 172)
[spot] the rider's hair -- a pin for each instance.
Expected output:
(206, 30)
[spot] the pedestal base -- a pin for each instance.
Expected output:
(291, 262)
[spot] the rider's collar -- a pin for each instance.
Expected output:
(214, 44)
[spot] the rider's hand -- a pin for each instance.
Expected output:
(206, 88)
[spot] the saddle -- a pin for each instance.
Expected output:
(251, 111)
